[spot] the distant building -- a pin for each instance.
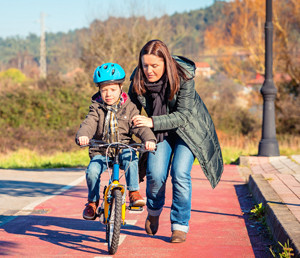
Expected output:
(203, 69)
(260, 78)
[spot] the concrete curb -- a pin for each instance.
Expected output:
(282, 222)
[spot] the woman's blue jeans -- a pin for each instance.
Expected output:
(158, 167)
(98, 165)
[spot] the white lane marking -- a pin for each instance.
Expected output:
(30, 207)
(122, 236)
(121, 239)
(136, 212)
(130, 222)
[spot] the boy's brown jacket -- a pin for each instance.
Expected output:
(93, 124)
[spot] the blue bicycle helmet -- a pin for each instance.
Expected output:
(109, 72)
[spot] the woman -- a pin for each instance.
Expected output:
(163, 85)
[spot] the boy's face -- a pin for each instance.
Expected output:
(110, 93)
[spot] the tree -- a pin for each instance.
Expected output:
(244, 29)
(119, 40)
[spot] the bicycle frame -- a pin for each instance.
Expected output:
(114, 183)
(113, 207)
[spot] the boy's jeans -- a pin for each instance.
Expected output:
(157, 173)
(98, 165)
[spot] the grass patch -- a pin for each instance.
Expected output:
(25, 158)
(234, 146)
(232, 149)
(231, 154)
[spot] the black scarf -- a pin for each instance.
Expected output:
(159, 95)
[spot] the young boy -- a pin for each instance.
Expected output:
(109, 119)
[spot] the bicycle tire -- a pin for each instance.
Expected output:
(113, 227)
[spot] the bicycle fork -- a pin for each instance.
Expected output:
(107, 200)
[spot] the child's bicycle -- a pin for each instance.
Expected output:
(112, 210)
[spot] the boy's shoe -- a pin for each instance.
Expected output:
(89, 212)
(136, 199)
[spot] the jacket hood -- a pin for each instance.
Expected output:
(187, 64)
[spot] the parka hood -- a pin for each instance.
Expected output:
(187, 64)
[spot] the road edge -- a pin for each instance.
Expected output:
(283, 224)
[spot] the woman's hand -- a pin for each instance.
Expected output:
(150, 146)
(83, 140)
(140, 121)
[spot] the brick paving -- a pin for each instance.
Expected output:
(275, 181)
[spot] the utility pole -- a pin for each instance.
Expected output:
(268, 145)
(43, 64)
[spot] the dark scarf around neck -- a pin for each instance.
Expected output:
(159, 95)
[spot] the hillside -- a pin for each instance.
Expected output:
(64, 50)
(44, 114)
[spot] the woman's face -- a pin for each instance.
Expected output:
(153, 66)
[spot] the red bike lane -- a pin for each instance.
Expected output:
(56, 227)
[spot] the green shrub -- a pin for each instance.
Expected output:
(58, 107)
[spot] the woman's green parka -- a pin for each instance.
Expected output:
(189, 118)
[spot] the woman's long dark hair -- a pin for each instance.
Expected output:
(172, 69)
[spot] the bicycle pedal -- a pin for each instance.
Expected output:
(135, 208)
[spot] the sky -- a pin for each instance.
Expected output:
(22, 17)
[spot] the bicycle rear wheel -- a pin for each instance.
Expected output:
(113, 227)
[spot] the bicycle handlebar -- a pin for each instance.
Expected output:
(140, 147)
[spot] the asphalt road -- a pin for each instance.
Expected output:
(41, 216)
(22, 190)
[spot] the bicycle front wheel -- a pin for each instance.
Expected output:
(113, 227)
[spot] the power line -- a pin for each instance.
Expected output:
(43, 64)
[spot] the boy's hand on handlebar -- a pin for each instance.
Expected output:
(149, 145)
(83, 140)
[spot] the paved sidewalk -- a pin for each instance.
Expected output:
(275, 181)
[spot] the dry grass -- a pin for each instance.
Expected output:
(24, 158)
(234, 146)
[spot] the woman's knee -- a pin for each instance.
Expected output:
(157, 176)
(157, 171)
(181, 176)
